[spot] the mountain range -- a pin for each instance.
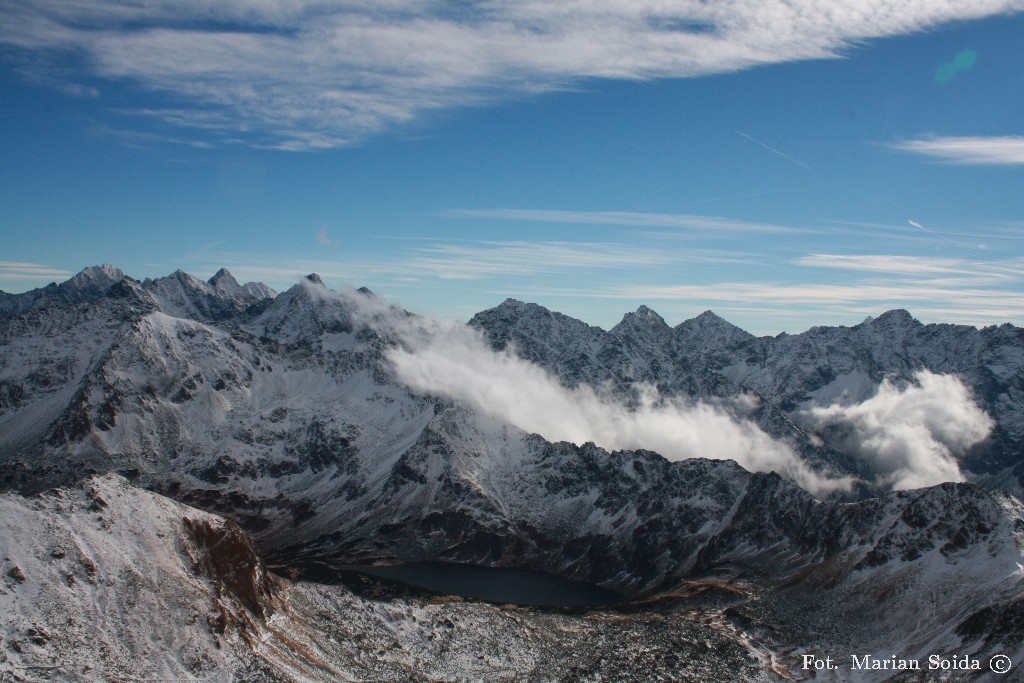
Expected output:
(190, 468)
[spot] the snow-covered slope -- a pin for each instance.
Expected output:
(934, 572)
(104, 582)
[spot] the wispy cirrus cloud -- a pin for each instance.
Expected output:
(310, 74)
(988, 151)
(913, 265)
(471, 261)
(862, 294)
(768, 307)
(21, 271)
(762, 291)
(929, 271)
(446, 260)
(625, 218)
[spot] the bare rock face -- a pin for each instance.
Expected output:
(225, 554)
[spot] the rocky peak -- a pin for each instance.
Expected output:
(643, 323)
(710, 330)
(645, 316)
(184, 296)
(97, 277)
(304, 312)
(90, 284)
(186, 280)
(510, 310)
(259, 291)
(225, 281)
(897, 317)
(708, 319)
(539, 334)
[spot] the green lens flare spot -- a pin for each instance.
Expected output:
(963, 61)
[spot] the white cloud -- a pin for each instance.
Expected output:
(452, 360)
(307, 74)
(990, 151)
(913, 434)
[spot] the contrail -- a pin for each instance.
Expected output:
(940, 235)
(773, 150)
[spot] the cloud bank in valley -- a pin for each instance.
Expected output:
(452, 360)
(911, 434)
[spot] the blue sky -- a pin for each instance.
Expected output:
(783, 164)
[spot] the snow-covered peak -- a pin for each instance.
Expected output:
(303, 313)
(643, 325)
(186, 279)
(90, 284)
(225, 281)
(539, 334)
(897, 317)
(513, 309)
(184, 296)
(259, 291)
(178, 294)
(643, 316)
(518, 312)
(710, 330)
(96, 277)
(707, 319)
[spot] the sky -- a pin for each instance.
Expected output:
(784, 164)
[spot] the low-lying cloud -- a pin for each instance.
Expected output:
(452, 360)
(911, 434)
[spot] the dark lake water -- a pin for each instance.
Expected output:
(515, 586)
